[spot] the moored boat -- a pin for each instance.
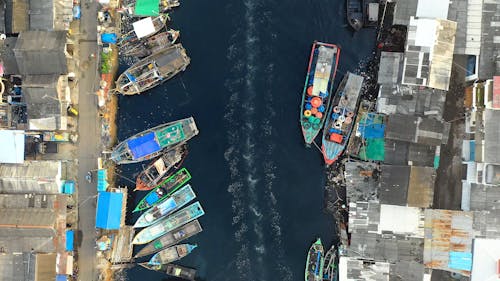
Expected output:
(169, 223)
(163, 6)
(340, 117)
(161, 167)
(171, 238)
(146, 47)
(329, 266)
(172, 254)
(314, 262)
(178, 200)
(152, 142)
(354, 12)
(316, 95)
(143, 28)
(153, 70)
(172, 270)
(163, 190)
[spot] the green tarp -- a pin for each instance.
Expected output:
(147, 8)
(170, 135)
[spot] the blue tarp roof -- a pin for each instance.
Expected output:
(70, 237)
(152, 198)
(460, 261)
(61, 277)
(69, 187)
(108, 38)
(102, 176)
(143, 146)
(109, 210)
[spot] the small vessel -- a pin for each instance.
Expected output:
(341, 116)
(164, 5)
(152, 142)
(172, 270)
(153, 70)
(178, 200)
(354, 12)
(314, 262)
(370, 13)
(172, 254)
(163, 190)
(316, 95)
(131, 38)
(329, 266)
(161, 167)
(169, 223)
(171, 238)
(146, 47)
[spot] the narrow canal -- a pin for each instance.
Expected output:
(262, 190)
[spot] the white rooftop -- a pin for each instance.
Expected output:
(11, 146)
(401, 220)
(485, 260)
(437, 9)
(144, 27)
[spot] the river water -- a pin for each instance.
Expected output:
(262, 190)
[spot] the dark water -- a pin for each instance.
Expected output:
(261, 189)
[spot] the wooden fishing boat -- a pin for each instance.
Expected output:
(153, 70)
(172, 270)
(164, 190)
(178, 200)
(172, 254)
(171, 238)
(316, 95)
(150, 45)
(141, 30)
(160, 168)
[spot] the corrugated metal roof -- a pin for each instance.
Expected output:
(39, 177)
(432, 9)
(484, 198)
(41, 16)
(364, 216)
(403, 11)
(390, 68)
(428, 57)
(362, 180)
(17, 267)
(357, 269)
(396, 152)
(41, 52)
(487, 224)
(394, 184)
(491, 136)
(489, 63)
(468, 15)
(7, 55)
(402, 127)
(445, 232)
(401, 220)
(15, 240)
(421, 186)
(407, 271)
(16, 16)
(486, 257)
(421, 155)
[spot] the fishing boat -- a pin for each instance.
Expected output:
(316, 95)
(150, 45)
(128, 6)
(153, 70)
(142, 29)
(171, 238)
(354, 12)
(164, 190)
(341, 116)
(178, 200)
(152, 142)
(160, 168)
(314, 262)
(172, 254)
(329, 266)
(172, 270)
(370, 13)
(169, 223)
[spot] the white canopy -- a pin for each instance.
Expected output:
(11, 146)
(144, 27)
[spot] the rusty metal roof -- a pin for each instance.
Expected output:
(447, 233)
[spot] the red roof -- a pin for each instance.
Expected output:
(496, 91)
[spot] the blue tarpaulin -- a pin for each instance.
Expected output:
(143, 146)
(102, 176)
(152, 198)
(460, 261)
(70, 237)
(69, 187)
(109, 210)
(108, 38)
(77, 13)
(61, 277)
